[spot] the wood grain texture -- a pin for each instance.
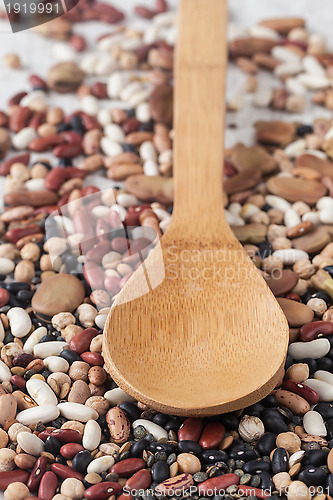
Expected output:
(196, 331)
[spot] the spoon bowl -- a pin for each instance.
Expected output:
(196, 330)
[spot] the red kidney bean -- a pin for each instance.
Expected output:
(316, 329)
(37, 119)
(88, 190)
(5, 166)
(45, 143)
(229, 170)
(63, 200)
(133, 214)
(127, 467)
(141, 480)
(81, 341)
(114, 219)
(144, 12)
(63, 435)
(93, 358)
(89, 122)
(65, 472)
(302, 390)
(83, 223)
(120, 245)
(94, 275)
(4, 297)
(19, 119)
(212, 435)
(220, 483)
(247, 491)
(102, 229)
(293, 296)
(98, 90)
(190, 430)
(78, 43)
(13, 235)
(71, 137)
(3, 119)
(37, 82)
(96, 253)
(12, 476)
(57, 176)
(131, 125)
(17, 98)
(32, 198)
(45, 210)
(68, 150)
(112, 284)
(69, 450)
(143, 51)
(37, 473)
(102, 491)
(48, 486)
(18, 381)
(161, 6)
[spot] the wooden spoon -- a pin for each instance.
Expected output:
(196, 330)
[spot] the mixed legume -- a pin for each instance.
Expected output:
(66, 429)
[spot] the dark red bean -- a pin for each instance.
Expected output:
(316, 329)
(96, 253)
(83, 223)
(69, 450)
(190, 430)
(131, 125)
(13, 235)
(18, 381)
(57, 176)
(120, 245)
(93, 358)
(302, 390)
(3, 119)
(17, 98)
(81, 341)
(19, 119)
(65, 472)
(89, 122)
(102, 491)
(48, 486)
(161, 6)
(99, 90)
(88, 190)
(63, 435)
(218, 483)
(4, 297)
(17, 475)
(67, 150)
(37, 120)
(78, 43)
(45, 143)
(71, 137)
(140, 480)
(5, 166)
(127, 467)
(94, 275)
(37, 473)
(212, 435)
(112, 284)
(37, 82)
(144, 12)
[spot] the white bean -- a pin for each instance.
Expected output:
(142, 112)
(63, 52)
(314, 82)
(117, 395)
(105, 65)
(311, 217)
(30, 443)
(5, 373)
(91, 435)
(127, 200)
(326, 215)
(324, 202)
(291, 218)
(56, 364)
(115, 85)
(90, 105)
(100, 464)
(277, 202)
(287, 69)
(32, 416)
(110, 148)
(138, 98)
(150, 167)
(130, 90)
(324, 376)
(88, 63)
(20, 322)
(34, 339)
(104, 117)
(311, 65)
(6, 265)
(295, 87)
(35, 184)
(290, 255)
(115, 133)
(22, 139)
(76, 411)
(157, 431)
(283, 54)
(313, 424)
(41, 392)
(314, 349)
(263, 97)
(323, 389)
(263, 32)
(295, 148)
(46, 349)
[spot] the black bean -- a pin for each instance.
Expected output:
(265, 250)
(266, 482)
(81, 461)
(53, 445)
(70, 356)
(245, 455)
(311, 364)
(266, 443)
(16, 286)
(315, 457)
(325, 364)
(138, 447)
(132, 411)
(304, 130)
(312, 476)
(24, 295)
(154, 447)
(329, 485)
(230, 421)
(187, 446)
(273, 421)
(329, 427)
(160, 472)
(279, 461)
(255, 466)
(255, 409)
(212, 456)
(161, 419)
(173, 425)
(47, 338)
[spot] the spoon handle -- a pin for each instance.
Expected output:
(201, 61)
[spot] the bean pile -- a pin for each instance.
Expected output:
(67, 248)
